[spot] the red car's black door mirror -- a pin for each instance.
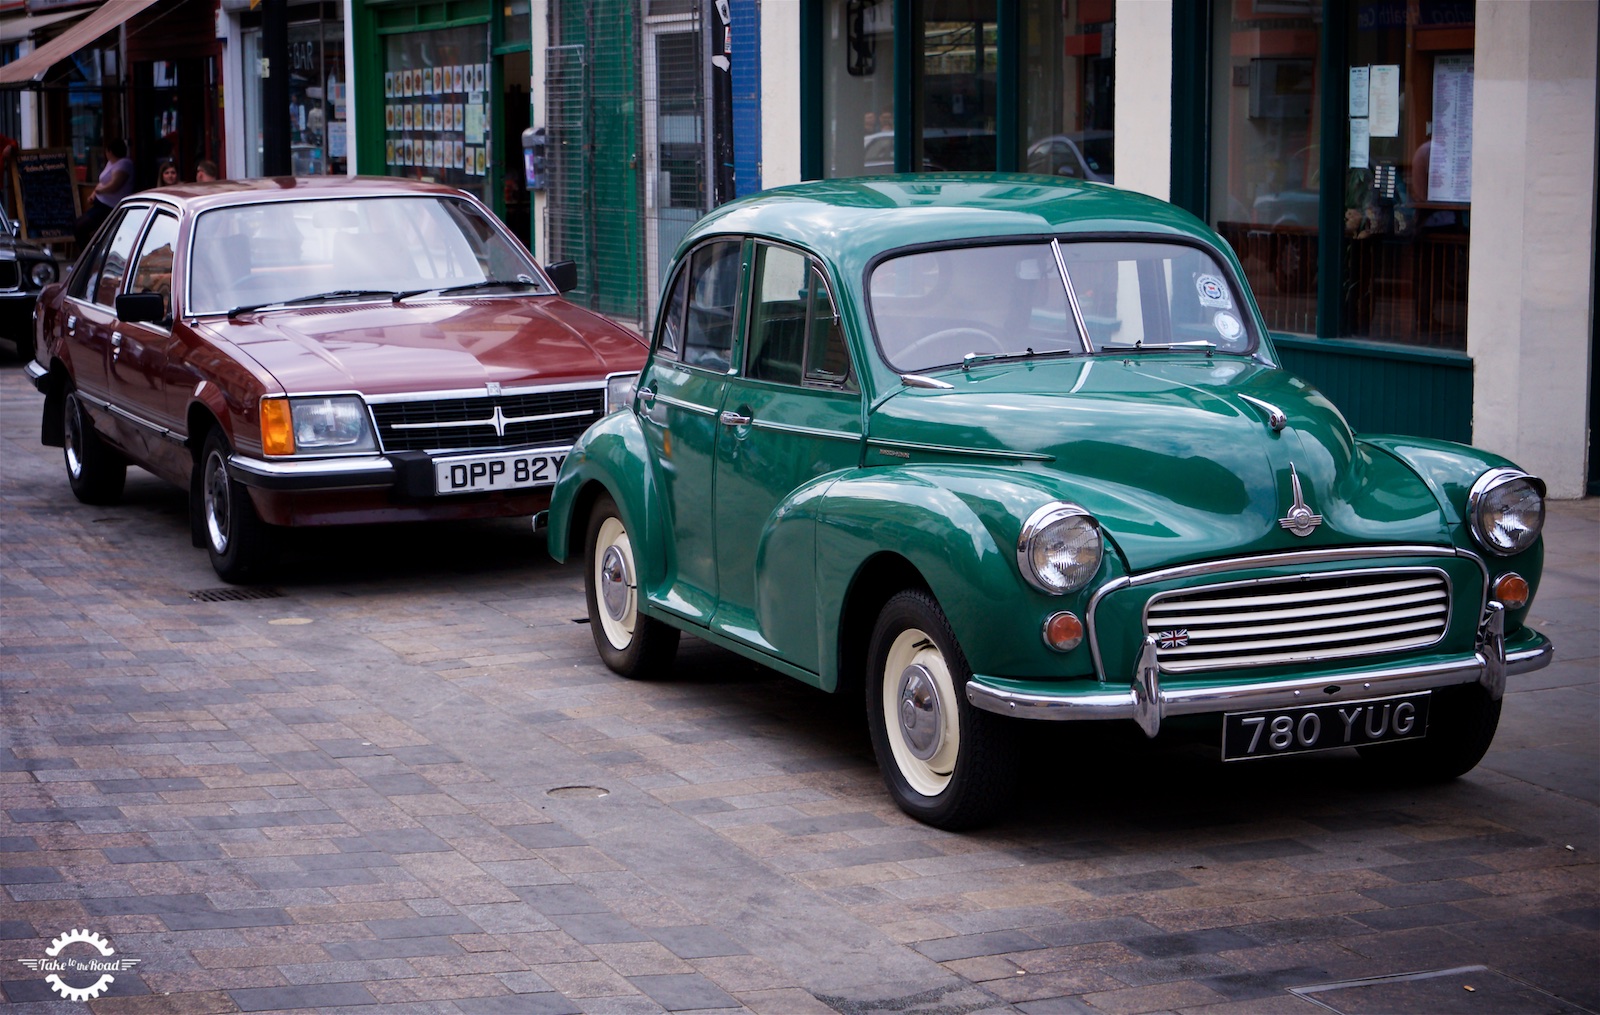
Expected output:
(564, 274)
(138, 308)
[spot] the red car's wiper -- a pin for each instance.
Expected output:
(332, 294)
(488, 283)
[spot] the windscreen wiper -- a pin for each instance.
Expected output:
(331, 294)
(488, 283)
(1142, 346)
(970, 358)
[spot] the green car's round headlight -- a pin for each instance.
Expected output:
(1505, 510)
(1059, 549)
(42, 274)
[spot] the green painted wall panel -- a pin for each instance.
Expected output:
(1387, 389)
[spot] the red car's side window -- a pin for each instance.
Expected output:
(118, 253)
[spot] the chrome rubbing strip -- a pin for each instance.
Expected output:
(937, 449)
(379, 471)
(479, 392)
(679, 403)
(1291, 559)
(804, 431)
(140, 421)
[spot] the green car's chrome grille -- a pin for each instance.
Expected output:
(1306, 619)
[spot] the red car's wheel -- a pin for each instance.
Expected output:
(239, 542)
(95, 470)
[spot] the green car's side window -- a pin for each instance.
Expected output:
(713, 295)
(794, 329)
(669, 340)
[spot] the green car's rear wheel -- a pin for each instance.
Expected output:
(946, 763)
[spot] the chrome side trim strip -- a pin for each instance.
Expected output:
(139, 421)
(678, 403)
(938, 449)
(805, 431)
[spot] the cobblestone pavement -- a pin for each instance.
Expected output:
(407, 783)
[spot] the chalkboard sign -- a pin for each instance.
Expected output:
(47, 196)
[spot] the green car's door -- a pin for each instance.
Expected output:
(680, 397)
(791, 414)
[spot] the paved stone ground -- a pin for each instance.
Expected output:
(408, 784)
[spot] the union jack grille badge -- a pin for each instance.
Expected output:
(1172, 639)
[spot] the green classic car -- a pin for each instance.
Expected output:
(993, 448)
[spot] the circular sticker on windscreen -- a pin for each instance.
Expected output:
(1228, 326)
(1212, 292)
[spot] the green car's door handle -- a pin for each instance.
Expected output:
(730, 418)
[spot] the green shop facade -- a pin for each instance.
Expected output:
(442, 93)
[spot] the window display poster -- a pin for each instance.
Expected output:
(1384, 99)
(1360, 143)
(1450, 158)
(475, 119)
(1358, 91)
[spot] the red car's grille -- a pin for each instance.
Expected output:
(546, 418)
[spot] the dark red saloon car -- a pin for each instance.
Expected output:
(320, 351)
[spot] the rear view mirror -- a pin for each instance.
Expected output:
(138, 308)
(564, 274)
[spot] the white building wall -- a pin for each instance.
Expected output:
(1144, 96)
(1529, 297)
(780, 93)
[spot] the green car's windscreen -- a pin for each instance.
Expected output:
(934, 308)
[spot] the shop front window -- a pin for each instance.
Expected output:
(959, 56)
(858, 67)
(318, 112)
(1266, 151)
(1408, 186)
(1403, 134)
(1066, 109)
(436, 108)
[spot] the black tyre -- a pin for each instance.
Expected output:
(1461, 726)
(95, 470)
(630, 643)
(239, 542)
(946, 763)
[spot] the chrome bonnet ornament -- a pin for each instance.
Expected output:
(1300, 520)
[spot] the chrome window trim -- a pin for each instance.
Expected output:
(1289, 559)
(1449, 587)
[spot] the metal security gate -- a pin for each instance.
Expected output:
(592, 155)
(677, 154)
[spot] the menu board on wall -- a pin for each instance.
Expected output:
(1450, 158)
(1383, 97)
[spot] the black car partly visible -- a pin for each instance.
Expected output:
(25, 268)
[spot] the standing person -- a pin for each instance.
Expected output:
(116, 183)
(206, 171)
(166, 173)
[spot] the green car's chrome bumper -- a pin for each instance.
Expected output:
(1146, 702)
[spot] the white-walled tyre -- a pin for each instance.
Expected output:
(630, 643)
(945, 762)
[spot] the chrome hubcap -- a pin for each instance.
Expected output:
(921, 718)
(615, 583)
(74, 438)
(217, 508)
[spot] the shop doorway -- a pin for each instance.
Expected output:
(175, 116)
(957, 57)
(517, 210)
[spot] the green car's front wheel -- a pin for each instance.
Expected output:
(629, 642)
(945, 762)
